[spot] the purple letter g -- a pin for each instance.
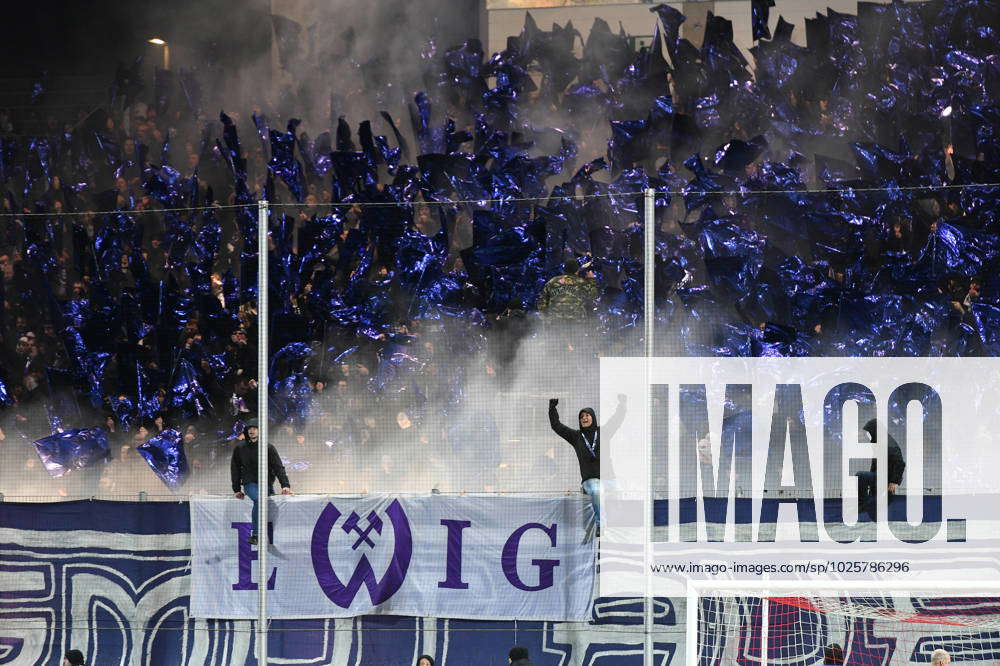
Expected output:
(545, 567)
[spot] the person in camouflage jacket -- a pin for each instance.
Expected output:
(568, 297)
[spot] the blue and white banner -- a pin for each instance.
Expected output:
(431, 556)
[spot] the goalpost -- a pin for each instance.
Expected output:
(873, 622)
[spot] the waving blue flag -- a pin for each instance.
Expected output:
(73, 449)
(164, 454)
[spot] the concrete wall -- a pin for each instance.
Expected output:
(637, 19)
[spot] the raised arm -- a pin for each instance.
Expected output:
(561, 430)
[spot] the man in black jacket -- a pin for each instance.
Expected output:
(867, 497)
(586, 442)
(244, 472)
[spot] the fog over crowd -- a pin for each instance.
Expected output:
(456, 236)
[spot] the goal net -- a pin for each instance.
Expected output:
(799, 623)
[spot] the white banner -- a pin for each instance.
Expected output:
(437, 556)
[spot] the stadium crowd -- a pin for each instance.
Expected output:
(830, 200)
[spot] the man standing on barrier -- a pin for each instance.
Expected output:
(586, 442)
(244, 471)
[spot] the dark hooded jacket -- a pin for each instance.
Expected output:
(244, 467)
(586, 442)
(894, 455)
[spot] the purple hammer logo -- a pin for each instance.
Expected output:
(379, 589)
(353, 524)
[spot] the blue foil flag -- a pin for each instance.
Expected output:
(38, 87)
(146, 401)
(292, 399)
(340, 358)
(75, 449)
(263, 131)
(760, 11)
(986, 321)
(93, 366)
(671, 19)
(164, 454)
(389, 155)
(645, 79)
(736, 155)
(283, 162)
(316, 153)
(698, 191)
(233, 154)
(955, 250)
(294, 356)
(352, 173)
(605, 54)
(124, 411)
(367, 140)
(187, 393)
(234, 433)
(400, 141)
(5, 397)
(733, 254)
(420, 118)
(344, 142)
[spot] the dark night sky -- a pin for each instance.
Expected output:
(227, 43)
(74, 37)
(89, 36)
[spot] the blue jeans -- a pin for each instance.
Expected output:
(252, 492)
(592, 487)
